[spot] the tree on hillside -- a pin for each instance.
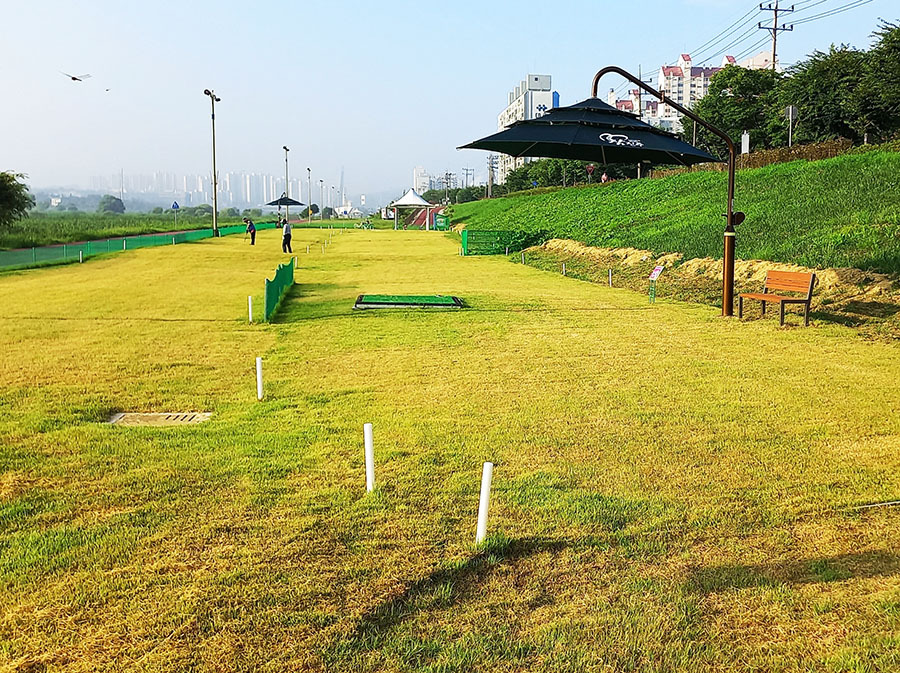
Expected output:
(110, 204)
(305, 212)
(824, 89)
(14, 198)
(740, 100)
(877, 99)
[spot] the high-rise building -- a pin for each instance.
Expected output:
(529, 100)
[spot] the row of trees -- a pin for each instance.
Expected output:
(842, 93)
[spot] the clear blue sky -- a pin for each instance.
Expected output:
(376, 87)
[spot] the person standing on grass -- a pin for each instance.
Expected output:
(251, 229)
(286, 236)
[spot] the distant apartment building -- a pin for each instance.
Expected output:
(685, 84)
(421, 180)
(529, 100)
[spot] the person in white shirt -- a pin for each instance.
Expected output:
(286, 236)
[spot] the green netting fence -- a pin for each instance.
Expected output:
(278, 286)
(26, 257)
(478, 242)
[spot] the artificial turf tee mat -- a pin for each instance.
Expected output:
(406, 301)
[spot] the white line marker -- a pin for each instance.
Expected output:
(487, 474)
(370, 457)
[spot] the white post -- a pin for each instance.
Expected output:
(523, 258)
(124, 240)
(507, 251)
(564, 268)
(259, 387)
(370, 457)
(250, 308)
(173, 240)
(610, 277)
(307, 249)
(80, 256)
(487, 474)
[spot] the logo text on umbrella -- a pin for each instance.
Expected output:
(620, 139)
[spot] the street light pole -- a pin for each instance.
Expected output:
(321, 198)
(732, 218)
(213, 99)
(309, 194)
(287, 185)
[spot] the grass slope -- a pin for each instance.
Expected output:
(669, 488)
(832, 213)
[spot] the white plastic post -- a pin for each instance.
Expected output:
(173, 240)
(564, 268)
(80, 256)
(124, 241)
(487, 474)
(370, 457)
(249, 308)
(259, 387)
(610, 277)
(307, 249)
(523, 258)
(507, 251)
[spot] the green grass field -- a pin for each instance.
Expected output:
(841, 212)
(672, 490)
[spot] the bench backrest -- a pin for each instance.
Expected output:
(790, 281)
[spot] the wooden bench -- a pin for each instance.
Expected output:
(787, 281)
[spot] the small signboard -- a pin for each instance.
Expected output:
(175, 205)
(590, 169)
(655, 273)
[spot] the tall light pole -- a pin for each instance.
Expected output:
(287, 185)
(309, 195)
(332, 199)
(321, 198)
(213, 99)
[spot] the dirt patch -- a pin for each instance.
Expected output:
(846, 295)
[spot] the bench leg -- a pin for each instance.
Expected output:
(764, 309)
(806, 315)
(740, 307)
(781, 304)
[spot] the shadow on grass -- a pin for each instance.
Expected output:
(806, 571)
(444, 587)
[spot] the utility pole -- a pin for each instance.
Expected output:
(309, 195)
(467, 173)
(774, 28)
(321, 199)
(491, 164)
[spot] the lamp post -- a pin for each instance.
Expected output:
(309, 194)
(732, 218)
(321, 198)
(287, 185)
(332, 199)
(213, 99)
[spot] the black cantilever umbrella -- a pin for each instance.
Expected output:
(593, 131)
(284, 201)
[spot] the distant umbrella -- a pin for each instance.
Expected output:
(75, 78)
(284, 201)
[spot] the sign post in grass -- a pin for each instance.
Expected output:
(653, 276)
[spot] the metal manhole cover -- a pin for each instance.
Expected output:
(160, 419)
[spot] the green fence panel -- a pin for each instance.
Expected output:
(278, 286)
(69, 251)
(478, 242)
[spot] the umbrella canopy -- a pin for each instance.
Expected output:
(284, 201)
(592, 131)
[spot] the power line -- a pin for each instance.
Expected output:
(715, 39)
(832, 12)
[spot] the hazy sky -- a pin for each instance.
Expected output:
(376, 87)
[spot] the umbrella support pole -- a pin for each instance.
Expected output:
(730, 220)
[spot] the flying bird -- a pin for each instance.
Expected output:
(75, 78)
